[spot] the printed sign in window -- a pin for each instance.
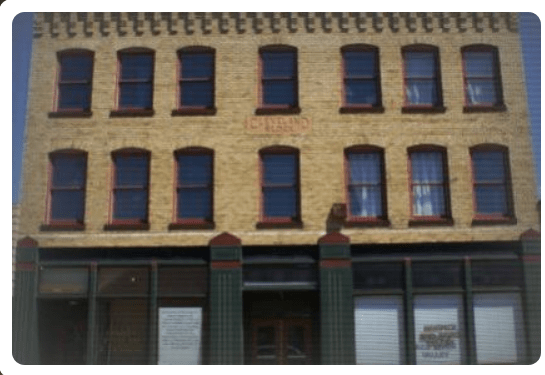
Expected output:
(180, 335)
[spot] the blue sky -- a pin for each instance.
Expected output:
(21, 46)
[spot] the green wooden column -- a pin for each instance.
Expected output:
(226, 336)
(25, 316)
(336, 300)
(531, 265)
(92, 344)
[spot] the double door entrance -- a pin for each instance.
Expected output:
(281, 341)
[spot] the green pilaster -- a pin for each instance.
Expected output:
(92, 317)
(25, 317)
(153, 319)
(470, 318)
(409, 313)
(531, 264)
(226, 330)
(337, 305)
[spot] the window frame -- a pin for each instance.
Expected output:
(419, 220)
(285, 221)
(133, 111)
(484, 219)
(131, 223)
(356, 220)
(83, 111)
(193, 223)
(496, 79)
(375, 78)
(68, 224)
(438, 106)
(264, 108)
(182, 109)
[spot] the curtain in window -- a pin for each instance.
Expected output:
(428, 184)
(365, 184)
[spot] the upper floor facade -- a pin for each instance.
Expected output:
(416, 123)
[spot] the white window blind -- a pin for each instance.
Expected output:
(379, 330)
(438, 323)
(498, 327)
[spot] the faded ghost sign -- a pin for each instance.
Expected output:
(278, 125)
(180, 335)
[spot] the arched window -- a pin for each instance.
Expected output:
(482, 78)
(67, 180)
(194, 187)
(278, 79)
(196, 72)
(429, 187)
(74, 82)
(492, 195)
(422, 78)
(280, 195)
(361, 77)
(130, 187)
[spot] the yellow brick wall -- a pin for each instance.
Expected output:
(236, 192)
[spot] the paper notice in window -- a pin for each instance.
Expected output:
(180, 335)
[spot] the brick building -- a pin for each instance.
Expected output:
(293, 188)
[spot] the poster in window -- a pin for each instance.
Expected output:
(180, 336)
(438, 324)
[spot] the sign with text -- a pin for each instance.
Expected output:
(180, 335)
(278, 125)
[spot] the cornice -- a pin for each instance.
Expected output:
(104, 24)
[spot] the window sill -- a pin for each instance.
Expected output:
(479, 220)
(362, 109)
(192, 224)
(423, 109)
(68, 226)
(194, 112)
(485, 108)
(279, 224)
(126, 226)
(359, 222)
(132, 113)
(430, 221)
(70, 114)
(278, 111)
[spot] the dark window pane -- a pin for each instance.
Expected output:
(479, 64)
(278, 64)
(74, 96)
(194, 169)
(197, 65)
(496, 273)
(296, 341)
(266, 342)
(279, 169)
(68, 171)
(194, 203)
(135, 95)
(428, 200)
(117, 280)
(377, 275)
(481, 91)
(280, 202)
(432, 274)
(64, 280)
(134, 66)
(131, 170)
(419, 64)
(67, 205)
(131, 204)
(361, 92)
(183, 279)
(358, 64)
(76, 68)
(423, 92)
(427, 167)
(280, 273)
(365, 168)
(488, 166)
(366, 201)
(491, 200)
(197, 94)
(279, 93)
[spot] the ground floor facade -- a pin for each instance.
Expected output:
(331, 303)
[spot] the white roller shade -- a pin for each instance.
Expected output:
(438, 323)
(379, 330)
(498, 327)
